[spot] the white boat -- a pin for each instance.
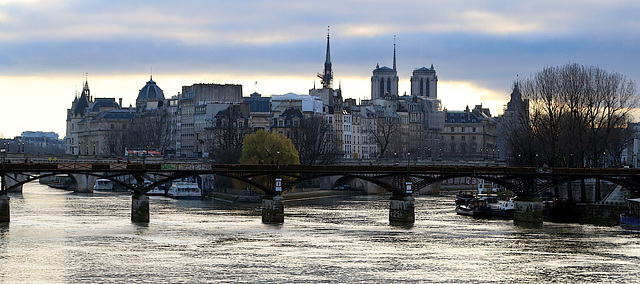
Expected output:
(103, 184)
(183, 189)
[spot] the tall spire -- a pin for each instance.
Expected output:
(327, 61)
(394, 52)
(327, 76)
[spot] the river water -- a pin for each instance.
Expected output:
(56, 236)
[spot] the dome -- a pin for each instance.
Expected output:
(104, 103)
(150, 92)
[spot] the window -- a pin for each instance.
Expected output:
(463, 138)
(452, 129)
(453, 138)
(474, 129)
(463, 128)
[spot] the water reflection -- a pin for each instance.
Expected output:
(58, 236)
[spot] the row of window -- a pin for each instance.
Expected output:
(463, 138)
(463, 129)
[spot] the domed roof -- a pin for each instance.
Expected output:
(150, 92)
(102, 103)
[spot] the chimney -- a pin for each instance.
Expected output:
(120, 102)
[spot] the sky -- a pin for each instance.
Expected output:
(477, 47)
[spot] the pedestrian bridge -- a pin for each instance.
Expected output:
(400, 181)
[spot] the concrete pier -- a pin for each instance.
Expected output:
(4, 208)
(528, 212)
(83, 183)
(273, 210)
(140, 208)
(402, 210)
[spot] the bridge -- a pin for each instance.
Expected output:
(401, 181)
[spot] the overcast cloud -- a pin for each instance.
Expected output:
(477, 47)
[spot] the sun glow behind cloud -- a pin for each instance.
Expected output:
(477, 47)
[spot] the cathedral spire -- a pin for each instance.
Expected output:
(394, 53)
(327, 76)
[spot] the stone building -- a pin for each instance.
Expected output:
(468, 135)
(93, 123)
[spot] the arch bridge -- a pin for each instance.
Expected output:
(400, 181)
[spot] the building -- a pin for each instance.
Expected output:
(92, 125)
(384, 81)
(512, 124)
(468, 135)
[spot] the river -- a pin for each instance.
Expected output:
(56, 236)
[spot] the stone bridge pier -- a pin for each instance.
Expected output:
(273, 205)
(402, 210)
(402, 206)
(4, 201)
(83, 183)
(528, 211)
(140, 208)
(273, 209)
(12, 180)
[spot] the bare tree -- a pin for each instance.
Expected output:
(384, 132)
(575, 115)
(149, 130)
(225, 139)
(314, 142)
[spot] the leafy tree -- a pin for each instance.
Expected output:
(264, 147)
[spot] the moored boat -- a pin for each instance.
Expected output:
(630, 220)
(183, 189)
(475, 207)
(103, 184)
(503, 208)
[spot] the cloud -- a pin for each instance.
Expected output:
(481, 44)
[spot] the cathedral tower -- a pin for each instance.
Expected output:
(424, 83)
(384, 82)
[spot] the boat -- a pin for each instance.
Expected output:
(103, 184)
(183, 189)
(464, 197)
(630, 219)
(503, 208)
(475, 207)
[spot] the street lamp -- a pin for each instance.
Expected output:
(408, 161)
(3, 152)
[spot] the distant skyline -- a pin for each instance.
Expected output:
(478, 48)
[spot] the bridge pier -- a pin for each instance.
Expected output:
(402, 210)
(528, 212)
(83, 183)
(140, 208)
(15, 178)
(4, 208)
(272, 209)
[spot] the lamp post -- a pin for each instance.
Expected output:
(3, 152)
(408, 161)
